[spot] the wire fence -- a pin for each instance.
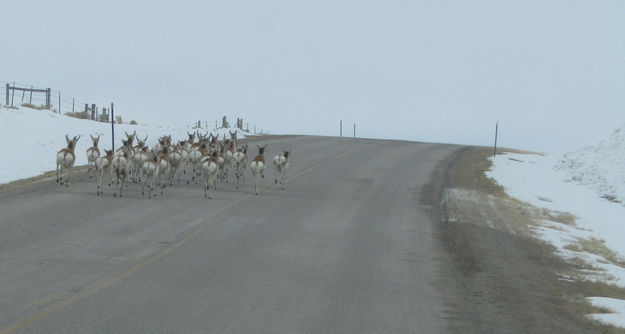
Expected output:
(225, 123)
(17, 94)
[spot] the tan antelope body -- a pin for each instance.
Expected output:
(139, 155)
(210, 167)
(93, 153)
(239, 159)
(149, 174)
(281, 163)
(65, 161)
(258, 168)
(103, 165)
(175, 161)
(120, 171)
(227, 153)
(163, 169)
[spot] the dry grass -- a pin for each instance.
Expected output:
(32, 106)
(470, 172)
(508, 214)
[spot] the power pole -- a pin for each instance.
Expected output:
(496, 130)
(112, 128)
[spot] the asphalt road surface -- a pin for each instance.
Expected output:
(347, 247)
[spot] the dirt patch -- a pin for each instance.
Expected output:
(512, 282)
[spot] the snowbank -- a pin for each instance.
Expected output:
(601, 167)
(589, 184)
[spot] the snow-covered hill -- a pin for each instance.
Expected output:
(601, 167)
(589, 184)
(30, 139)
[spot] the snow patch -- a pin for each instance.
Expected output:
(590, 185)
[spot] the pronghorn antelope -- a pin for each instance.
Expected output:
(227, 152)
(239, 159)
(93, 153)
(281, 163)
(103, 165)
(175, 161)
(139, 156)
(194, 156)
(120, 170)
(163, 168)
(191, 139)
(258, 167)
(135, 160)
(209, 166)
(150, 172)
(184, 148)
(65, 160)
(128, 150)
(131, 138)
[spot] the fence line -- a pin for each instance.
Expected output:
(18, 94)
(223, 123)
(57, 101)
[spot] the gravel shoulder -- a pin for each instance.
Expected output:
(511, 281)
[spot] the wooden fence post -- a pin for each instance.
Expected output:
(13, 94)
(48, 93)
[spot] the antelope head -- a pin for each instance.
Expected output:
(95, 140)
(71, 144)
(141, 143)
(261, 149)
(131, 138)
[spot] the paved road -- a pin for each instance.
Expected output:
(347, 247)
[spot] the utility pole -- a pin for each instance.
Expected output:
(354, 130)
(112, 128)
(341, 127)
(496, 130)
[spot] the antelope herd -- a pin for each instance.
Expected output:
(200, 157)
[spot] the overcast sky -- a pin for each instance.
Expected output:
(552, 72)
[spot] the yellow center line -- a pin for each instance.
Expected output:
(148, 257)
(143, 255)
(48, 300)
